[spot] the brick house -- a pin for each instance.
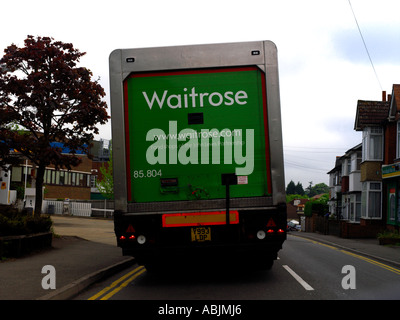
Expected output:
(335, 189)
(351, 184)
(359, 191)
(76, 184)
(59, 184)
(345, 187)
(371, 120)
(295, 209)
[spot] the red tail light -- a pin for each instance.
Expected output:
(122, 238)
(281, 231)
(270, 231)
(132, 237)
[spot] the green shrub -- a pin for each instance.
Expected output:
(13, 222)
(38, 224)
(317, 207)
(9, 226)
(391, 234)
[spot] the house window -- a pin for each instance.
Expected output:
(392, 203)
(398, 140)
(73, 178)
(355, 207)
(355, 162)
(358, 207)
(93, 179)
(345, 207)
(47, 176)
(337, 180)
(398, 204)
(62, 178)
(346, 167)
(371, 200)
(372, 144)
(66, 178)
(16, 174)
(80, 180)
(53, 177)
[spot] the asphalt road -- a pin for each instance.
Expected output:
(305, 270)
(96, 230)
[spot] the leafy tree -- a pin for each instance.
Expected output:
(294, 188)
(291, 188)
(320, 188)
(309, 190)
(291, 197)
(106, 184)
(319, 206)
(299, 189)
(44, 92)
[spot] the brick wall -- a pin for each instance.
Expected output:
(345, 184)
(85, 166)
(390, 142)
(371, 171)
(97, 165)
(365, 229)
(62, 192)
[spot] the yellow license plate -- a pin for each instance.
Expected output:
(201, 234)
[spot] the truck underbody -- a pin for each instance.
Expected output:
(254, 239)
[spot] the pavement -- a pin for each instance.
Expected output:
(85, 252)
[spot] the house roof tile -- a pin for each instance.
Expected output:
(371, 113)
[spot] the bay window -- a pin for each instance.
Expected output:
(371, 199)
(355, 162)
(372, 144)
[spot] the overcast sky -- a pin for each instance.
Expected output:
(324, 68)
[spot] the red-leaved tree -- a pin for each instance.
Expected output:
(48, 98)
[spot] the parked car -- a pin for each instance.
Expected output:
(293, 225)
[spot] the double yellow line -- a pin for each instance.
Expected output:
(379, 264)
(385, 266)
(116, 286)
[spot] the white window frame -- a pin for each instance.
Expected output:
(345, 207)
(398, 140)
(369, 151)
(355, 162)
(346, 167)
(355, 207)
(370, 189)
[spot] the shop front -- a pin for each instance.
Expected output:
(391, 187)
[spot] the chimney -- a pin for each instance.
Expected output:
(383, 95)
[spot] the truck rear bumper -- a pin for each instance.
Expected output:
(250, 234)
(217, 252)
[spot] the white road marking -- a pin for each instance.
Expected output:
(298, 278)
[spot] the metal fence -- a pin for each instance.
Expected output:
(52, 207)
(78, 208)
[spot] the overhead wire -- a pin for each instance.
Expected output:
(365, 45)
(304, 167)
(290, 158)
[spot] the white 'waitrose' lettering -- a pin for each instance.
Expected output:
(194, 99)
